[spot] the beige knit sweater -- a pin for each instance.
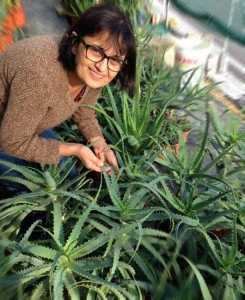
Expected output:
(34, 96)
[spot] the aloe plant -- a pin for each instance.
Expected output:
(125, 205)
(68, 132)
(185, 280)
(133, 128)
(79, 6)
(193, 173)
(76, 7)
(136, 125)
(196, 191)
(66, 263)
(127, 228)
(231, 133)
(202, 264)
(229, 262)
(46, 186)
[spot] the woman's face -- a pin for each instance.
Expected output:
(95, 74)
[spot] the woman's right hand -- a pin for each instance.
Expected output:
(86, 155)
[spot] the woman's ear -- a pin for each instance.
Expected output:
(74, 47)
(74, 34)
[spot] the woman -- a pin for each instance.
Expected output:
(44, 81)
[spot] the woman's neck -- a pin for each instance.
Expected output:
(74, 83)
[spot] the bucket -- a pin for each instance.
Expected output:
(165, 44)
(191, 53)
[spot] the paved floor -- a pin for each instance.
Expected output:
(42, 18)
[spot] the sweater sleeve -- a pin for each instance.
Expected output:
(85, 117)
(27, 105)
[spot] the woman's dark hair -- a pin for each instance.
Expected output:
(107, 18)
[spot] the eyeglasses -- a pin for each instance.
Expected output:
(96, 54)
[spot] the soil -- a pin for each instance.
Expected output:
(4, 194)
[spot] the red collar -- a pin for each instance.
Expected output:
(79, 96)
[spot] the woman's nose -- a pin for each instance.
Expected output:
(102, 65)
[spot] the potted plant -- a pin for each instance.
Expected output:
(12, 16)
(18, 14)
(72, 9)
(6, 25)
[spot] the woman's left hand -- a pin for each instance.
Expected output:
(104, 152)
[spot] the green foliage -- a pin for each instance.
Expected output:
(5, 5)
(68, 132)
(230, 136)
(76, 7)
(46, 186)
(130, 123)
(67, 262)
(167, 224)
(192, 173)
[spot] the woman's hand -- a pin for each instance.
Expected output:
(104, 152)
(86, 156)
(89, 159)
(106, 155)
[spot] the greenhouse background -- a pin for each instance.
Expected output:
(223, 20)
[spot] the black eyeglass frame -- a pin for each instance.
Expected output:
(87, 46)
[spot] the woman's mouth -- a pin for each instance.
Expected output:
(95, 74)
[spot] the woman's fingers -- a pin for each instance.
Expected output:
(108, 156)
(99, 154)
(94, 163)
(89, 159)
(111, 158)
(95, 167)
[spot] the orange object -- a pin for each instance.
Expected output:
(18, 14)
(7, 26)
(5, 41)
(6, 32)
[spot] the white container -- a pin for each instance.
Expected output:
(192, 53)
(157, 10)
(165, 44)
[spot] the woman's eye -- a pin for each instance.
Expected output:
(114, 60)
(95, 50)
